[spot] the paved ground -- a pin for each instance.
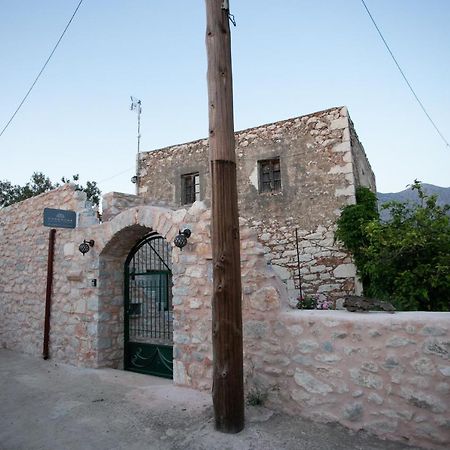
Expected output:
(51, 406)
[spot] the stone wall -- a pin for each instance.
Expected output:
(321, 163)
(362, 171)
(87, 296)
(23, 266)
(388, 374)
(113, 203)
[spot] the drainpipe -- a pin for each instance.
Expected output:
(48, 293)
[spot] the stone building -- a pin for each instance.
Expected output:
(135, 301)
(292, 175)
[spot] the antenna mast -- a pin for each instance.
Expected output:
(136, 106)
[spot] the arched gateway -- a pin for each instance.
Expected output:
(148, 316)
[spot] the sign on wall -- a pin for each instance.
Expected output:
(59, 218)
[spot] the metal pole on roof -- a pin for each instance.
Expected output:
(136, 105)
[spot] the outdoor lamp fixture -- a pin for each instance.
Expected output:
(85, 246)
(181, 239)
(134, 179)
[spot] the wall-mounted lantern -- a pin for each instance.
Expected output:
(85, 246)
(181, 239)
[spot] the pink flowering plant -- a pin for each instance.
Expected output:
(314, 301)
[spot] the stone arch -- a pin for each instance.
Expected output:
(115, 241)
(264, 295)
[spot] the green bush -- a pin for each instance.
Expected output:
(405, 259)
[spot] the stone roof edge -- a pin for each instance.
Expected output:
(352, 128)
(245, 130)
(63, 187)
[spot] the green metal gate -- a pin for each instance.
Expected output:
(148, 308)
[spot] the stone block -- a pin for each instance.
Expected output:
(366, 380)
(255, 329)
(370, 367)
(345, 169)
(348, 191)
(179, 374)
(438, 347)
(307, 346)
(430, 330)
(75, 275)
(69, 249)
(339, 124)
(422, 400)
(381, 427)
(303, 360)
(281, 271)
(318, 269)
(328, 358)
(295, 330)
(195, 304)
(310, 383)
(277, 360)
(328, 287)
(345, 271)
(265, 299)
(398, 341)
(423, 366)
(104, 343)
(181, 338)
(353, 412)
(375, 398)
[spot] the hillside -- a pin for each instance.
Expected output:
(409, 195)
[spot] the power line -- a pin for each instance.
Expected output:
(404, 76)
(43, 68)
(116, 175)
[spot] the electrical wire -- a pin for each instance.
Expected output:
(404, 76)
(43, 68)
(116, 175)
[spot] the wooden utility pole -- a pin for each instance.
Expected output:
(228, 384)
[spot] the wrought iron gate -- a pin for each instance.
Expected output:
(148, 308)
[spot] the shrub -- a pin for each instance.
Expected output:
(405, 259)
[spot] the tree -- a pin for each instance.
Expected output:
(351, 228)
(38, 184)
(405, 259)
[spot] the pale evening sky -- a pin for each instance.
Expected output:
(290, 57)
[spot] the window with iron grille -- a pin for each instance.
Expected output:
(269, 175)
(190, 188)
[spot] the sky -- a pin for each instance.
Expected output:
(290, 58)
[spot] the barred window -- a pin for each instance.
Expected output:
(190, 188)
(269, 175)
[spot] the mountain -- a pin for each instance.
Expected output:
(408, 195)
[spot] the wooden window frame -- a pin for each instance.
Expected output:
(269, 175)
(190, 188)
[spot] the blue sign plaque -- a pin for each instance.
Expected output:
(59, 218)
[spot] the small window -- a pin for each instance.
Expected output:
(190, 188)
(269, 175)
